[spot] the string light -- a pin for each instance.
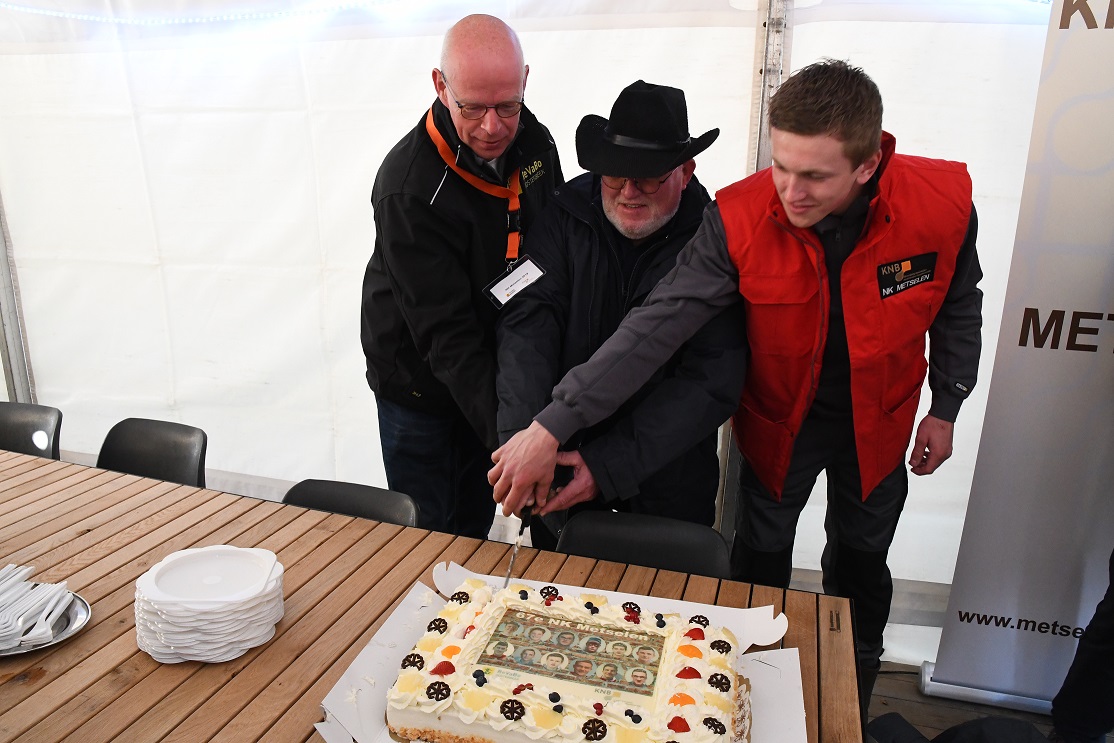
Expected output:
(221, 18)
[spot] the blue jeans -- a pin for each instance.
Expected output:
(440, 462)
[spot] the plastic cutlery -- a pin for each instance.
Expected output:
(13, 596)
(17, 616)
(44, 627)
(13, 579)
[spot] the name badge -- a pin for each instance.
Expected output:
(524, 273)
(902, 275)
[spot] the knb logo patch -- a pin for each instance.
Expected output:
(897, 276)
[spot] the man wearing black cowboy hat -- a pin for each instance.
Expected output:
(604, 242)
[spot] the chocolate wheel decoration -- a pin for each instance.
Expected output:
(631, 606)
(460, 597)
(721, 646)
(719, 682)
(512, 709)
(437, 624)
(438, 691)
(549, 592)
(594, 729)
(413, 661)
(715, 725)
(699, 619)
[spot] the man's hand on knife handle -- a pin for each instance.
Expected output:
(523, 469)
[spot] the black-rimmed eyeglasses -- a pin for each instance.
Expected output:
(647, 186)
(473, 111)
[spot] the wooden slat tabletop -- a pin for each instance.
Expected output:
(99, 531)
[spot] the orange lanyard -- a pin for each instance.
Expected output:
(509, 192)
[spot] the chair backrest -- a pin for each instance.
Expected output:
(30, 429)
(352, 499)
(653, 541)
(158, 449)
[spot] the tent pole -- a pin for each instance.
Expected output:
(13, 350)
(772, 47)
(772, 52)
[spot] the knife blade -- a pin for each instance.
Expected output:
(525, 516)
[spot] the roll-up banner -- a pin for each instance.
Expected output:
(1039, 529)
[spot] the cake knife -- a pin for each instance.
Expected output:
(525, 516)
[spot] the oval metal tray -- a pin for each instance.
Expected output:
(69, 624)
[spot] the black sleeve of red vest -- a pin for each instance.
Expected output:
(955, 337)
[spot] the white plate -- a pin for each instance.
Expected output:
(215, 655)
(197, 635)
(174, 612)
(207, 575)
(270, 611)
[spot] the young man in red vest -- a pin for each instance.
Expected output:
(845, 256)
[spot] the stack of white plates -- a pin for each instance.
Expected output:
(210, 604)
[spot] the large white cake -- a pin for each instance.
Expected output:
(522, 665)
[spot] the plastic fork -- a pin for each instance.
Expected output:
(11, 577)
(20, 598)
(44, 627)
(12, 596)
(22, 612)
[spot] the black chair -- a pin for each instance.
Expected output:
(30, 429)
(158, 449)
(352, 499)
(653, 541)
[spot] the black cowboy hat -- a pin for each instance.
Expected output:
(647, 135)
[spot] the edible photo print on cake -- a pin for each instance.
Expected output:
(614, 663)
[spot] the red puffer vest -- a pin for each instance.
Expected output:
(893, 283)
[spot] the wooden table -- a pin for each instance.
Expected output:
(100, 531)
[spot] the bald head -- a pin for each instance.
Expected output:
(482, 36)
(482, 64)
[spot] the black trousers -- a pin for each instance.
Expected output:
(1083, 709)
(859, 533)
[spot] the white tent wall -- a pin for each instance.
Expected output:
(189, 212)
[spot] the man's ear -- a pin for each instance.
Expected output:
(439, 86)
(687, 169)
(869, 166)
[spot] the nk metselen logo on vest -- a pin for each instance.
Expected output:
(897, 276)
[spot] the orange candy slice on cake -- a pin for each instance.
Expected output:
(690, 651)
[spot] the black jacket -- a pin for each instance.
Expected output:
(428, 330)
(661, 445)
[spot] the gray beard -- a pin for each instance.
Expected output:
(647, 229)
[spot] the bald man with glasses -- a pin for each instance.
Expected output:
(453, 201)
(603, 243)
